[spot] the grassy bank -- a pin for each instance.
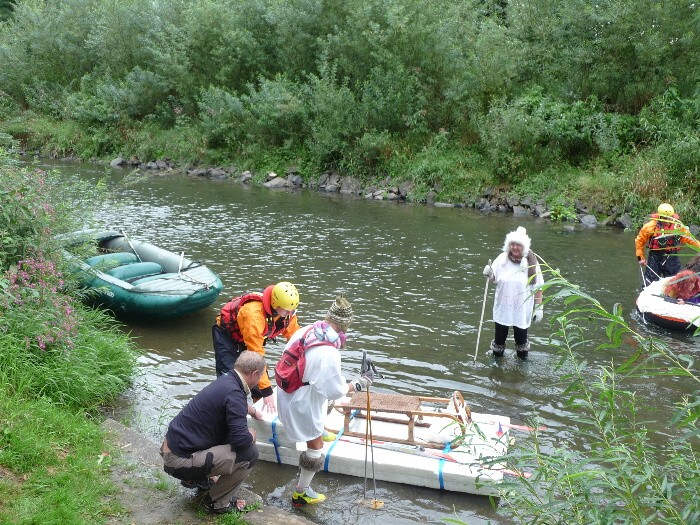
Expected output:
(49, 470)
(59, 363)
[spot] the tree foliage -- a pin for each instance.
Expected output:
(526, 85)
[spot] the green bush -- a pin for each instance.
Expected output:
(681, 157)
(221, 114)
(535, 132)
(225, 46)
(392, 100)
(274, 113)
(333, 120)
(46, 98)
(369, 155)
(670, 125)
(106, 101)
(668, 117)
(49, 344)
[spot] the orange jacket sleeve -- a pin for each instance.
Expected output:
(643, 238)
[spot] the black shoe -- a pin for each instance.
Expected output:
(497, 350)
(200, 484)
(522, 350)
(208, 505)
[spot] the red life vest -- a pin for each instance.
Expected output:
(228, 319)
(289, 370)
(662, 240)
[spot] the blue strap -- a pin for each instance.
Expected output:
(445, 450)
(274, 441)
(330, 449)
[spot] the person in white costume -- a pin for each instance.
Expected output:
(303, 412)
(518, 297)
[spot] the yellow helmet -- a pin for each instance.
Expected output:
(284, 295)
(665, 209)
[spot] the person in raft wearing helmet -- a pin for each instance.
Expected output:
(518, 298)
(248, 322)
(303, 411)
(664, 234)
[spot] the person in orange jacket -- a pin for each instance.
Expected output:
(664, 235)
(248, 322)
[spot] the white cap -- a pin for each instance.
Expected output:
(518, 236)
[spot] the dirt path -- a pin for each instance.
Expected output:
(147, 496)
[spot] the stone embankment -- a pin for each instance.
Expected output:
(491, 200)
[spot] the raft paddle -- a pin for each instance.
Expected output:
(483, 308)
(123, 232)
(672, 300)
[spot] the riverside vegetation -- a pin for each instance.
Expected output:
(628, 474)
(565, 102)
(59, 362)
(560, 100)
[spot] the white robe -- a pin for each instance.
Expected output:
(514, 299)
(303, 412)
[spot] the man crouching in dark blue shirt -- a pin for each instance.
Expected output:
(209, 445)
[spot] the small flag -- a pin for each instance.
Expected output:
(499, 432)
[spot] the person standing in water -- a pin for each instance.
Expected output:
(518, 296)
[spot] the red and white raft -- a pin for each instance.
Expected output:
(413, 442)
(666, 312)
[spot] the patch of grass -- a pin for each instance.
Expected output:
(94, 371)
(50, 137)
(455, 172)
(184, 143)
(53, 456)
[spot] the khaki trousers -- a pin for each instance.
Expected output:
(231, 474)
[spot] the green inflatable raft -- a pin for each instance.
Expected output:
(133, 278)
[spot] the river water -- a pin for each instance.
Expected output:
(413, 275)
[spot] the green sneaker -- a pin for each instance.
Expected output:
(308, 497)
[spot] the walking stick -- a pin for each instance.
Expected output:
(483, 308)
